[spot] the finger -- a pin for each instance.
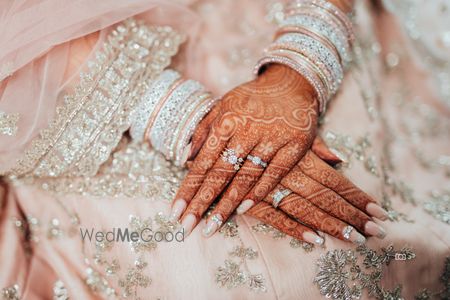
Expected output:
(285, 159)
(325, 199)
(216, 180)
(279, 220)
(202, 131)
(321, 150)
(318, 170)
(241, 184)
(309, 214)
(209, 153)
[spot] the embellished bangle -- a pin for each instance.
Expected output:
(331, 9)
(156, 90)
(313, 49)
(169, 112)
(309, 70)
(298, 56)
(321, 28)
(316, 40)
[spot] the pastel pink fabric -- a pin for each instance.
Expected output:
(44, 44)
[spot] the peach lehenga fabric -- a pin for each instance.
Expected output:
(387, 123)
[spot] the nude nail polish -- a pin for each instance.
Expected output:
(349, 233)
(245, 205)
(177, 209)
(313, 238)
(374, 229)
(377, 211)
(214, 222)
(186, 154)
(188, 223)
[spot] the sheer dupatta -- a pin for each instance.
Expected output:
(44, 46)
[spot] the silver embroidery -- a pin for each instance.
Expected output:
(439, 205)
(92, 120)
(134, 170)
(60, 291)
(235, 271)
(277, 235)
(340, 276)
(8, 123)
(11, 293)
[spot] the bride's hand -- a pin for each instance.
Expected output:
(255, 135)
(321, 198)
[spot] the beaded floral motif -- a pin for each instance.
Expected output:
(235, 271)
(92, 120)
(8, 123)
(341, 276)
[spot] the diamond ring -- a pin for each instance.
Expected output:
(257, 160)
(229, 156)
(280, 195)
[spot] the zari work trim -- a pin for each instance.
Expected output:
(92, 120)
(8, 123)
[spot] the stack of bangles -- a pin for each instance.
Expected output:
(169, 112)
(316, 40)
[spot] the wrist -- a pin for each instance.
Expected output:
(289, 77)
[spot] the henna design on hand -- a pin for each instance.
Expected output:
(273, 117)
(324, 198)
(315, 168)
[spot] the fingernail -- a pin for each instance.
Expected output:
(212, 225)
(313, 238)
(377, 211)
(374, 229)
(177, 209)
(349, 233)
(186, 153)
(245, 205)
(188, 223)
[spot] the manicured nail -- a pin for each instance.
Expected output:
(377, 211)
(188, 223)
(186, 153)
(245, 205)
(177, 209)
(375, 230)
(313, 238)
(349, 233)
(212, 225)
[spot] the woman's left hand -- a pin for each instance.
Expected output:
(254, 136)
